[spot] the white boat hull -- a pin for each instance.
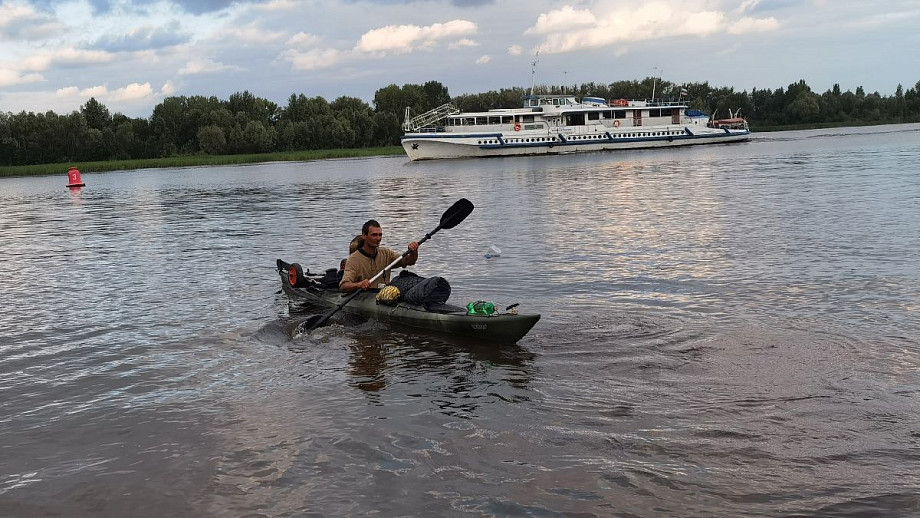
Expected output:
(443, 145)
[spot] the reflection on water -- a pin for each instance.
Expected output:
(727, 330)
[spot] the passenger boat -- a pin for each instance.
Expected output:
(503, 327)
(556, 124)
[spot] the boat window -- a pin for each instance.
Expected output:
(495, 120)
(506, 119)
(619, 114)
(593, 116)
(528, 118)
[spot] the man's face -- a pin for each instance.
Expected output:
(373, 236)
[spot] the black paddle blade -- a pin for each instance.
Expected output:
(456, 213)
(313, 322)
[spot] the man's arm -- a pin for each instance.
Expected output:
(348, 282)
(410, 259)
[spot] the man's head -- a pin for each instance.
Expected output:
(372, 234)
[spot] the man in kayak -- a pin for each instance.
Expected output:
(368, 260)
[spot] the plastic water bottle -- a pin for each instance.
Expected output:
(493, 251)
(480, 307)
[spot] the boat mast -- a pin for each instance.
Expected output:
(533, 71)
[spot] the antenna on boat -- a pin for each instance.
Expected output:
(533, 71)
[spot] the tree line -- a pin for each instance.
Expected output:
(245, 124)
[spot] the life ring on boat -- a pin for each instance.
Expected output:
(616, 124)
(517, 126)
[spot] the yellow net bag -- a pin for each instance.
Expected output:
(388, 295)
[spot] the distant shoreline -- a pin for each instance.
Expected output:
(195, 161)
(291, 156)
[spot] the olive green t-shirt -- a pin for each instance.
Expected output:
(359, 266)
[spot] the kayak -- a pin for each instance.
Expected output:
(505, 327)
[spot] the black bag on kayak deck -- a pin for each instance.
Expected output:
(405, 281)
(432, 291)
(330, 279)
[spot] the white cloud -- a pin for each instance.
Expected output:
(276, 5)
(252, 34)
(67, 91)
(400, 39)
(68, 56)
(132, 92)
(483, 60)
(749, 25)
(205, 66)
(515, 50)
(100, 92)
(569, 30)
(168, 88)
(562, 20)
(302, 39)
(95, 91)
(9, 77)
(313, 59)
(465, 42)
(18, 20)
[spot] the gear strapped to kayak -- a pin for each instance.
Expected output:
(501, 326)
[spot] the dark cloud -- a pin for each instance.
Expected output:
(144, 40)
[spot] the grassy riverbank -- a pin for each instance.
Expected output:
(196, 161)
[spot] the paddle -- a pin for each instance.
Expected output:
(450, 219)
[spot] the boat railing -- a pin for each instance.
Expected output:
(427, 119)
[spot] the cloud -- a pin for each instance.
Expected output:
(313, 59)
(401, 39)
(168, 88)
(515, 50)
(252, 34)
(749, 25)
(145, 38)
(21, 21)
(302, 39)
(276, 5)
(562, 20)
(10, 77)
(99, 91)
(483, 60)
(568, 30)
(66, 57)
(206, 66)
(465, 42)
(132, 92)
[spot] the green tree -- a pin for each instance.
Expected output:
(211, 139)
(96, 114)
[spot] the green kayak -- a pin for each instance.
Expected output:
(500, 327)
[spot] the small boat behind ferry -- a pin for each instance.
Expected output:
(557, 124)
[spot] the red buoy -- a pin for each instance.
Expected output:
(74, 178)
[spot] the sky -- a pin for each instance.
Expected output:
(131, 54)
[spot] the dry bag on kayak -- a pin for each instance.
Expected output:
(421, 291)
(432, 291)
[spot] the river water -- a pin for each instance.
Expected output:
(727, 331)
